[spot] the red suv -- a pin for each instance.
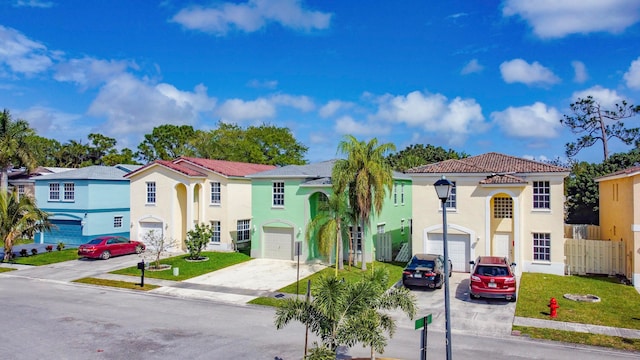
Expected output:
(492, 277)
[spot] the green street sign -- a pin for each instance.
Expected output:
(420, 323)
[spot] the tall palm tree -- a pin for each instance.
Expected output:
(367, 176)
(14, 149)
(328, 227)
(19, 217)
(348, 313)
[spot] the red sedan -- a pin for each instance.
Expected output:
(105, 247)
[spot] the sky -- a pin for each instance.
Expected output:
(472, 76)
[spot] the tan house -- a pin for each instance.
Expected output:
(170, 197)
(620, 215)
(500, 205)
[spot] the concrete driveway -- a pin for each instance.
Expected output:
(487, 317)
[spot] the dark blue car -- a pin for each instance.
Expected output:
(426, 270)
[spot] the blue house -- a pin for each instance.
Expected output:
(85, 203)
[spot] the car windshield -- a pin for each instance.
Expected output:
(486, 270)
(422, 263)
(95, 242)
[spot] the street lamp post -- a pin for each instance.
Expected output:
(443, 189)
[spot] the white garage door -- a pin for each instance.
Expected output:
(458, 246)
(278, 243)
(146, 227)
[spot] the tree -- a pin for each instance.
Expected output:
(14, 147)
(126, 156)
(598, 124)
(157, 244)
(74, 154)
(19, 217)
(328, 227)
(367, 176)
(197, 239)
(272, 145)
(166, 142)
(347, 313)
(44, 150)
(418, 154)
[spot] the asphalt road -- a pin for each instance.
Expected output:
(52, 319)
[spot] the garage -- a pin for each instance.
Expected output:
(278, 243)
(65, 231)
(146, 227)
(458, 249)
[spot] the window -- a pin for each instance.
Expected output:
(502, 208)
(402, 226)
(402, 194)
(54, 192)
(395, 194)
(243, 230)
(452, 200)
(215, 236)
(69, 192)
(20, 191)
(356, 237)
(278, 194)
(541, 195)
(117, 221)
(215, 193)
(542, 246)
(151, 192)
(380, 228)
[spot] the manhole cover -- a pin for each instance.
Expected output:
(582, 298)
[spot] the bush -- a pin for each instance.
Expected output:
(23, 253)
(34, 251)
(60, 246)
(197, 239)
(49, 248)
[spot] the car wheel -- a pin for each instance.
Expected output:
(139, 249)
(105, 255)
(513, 299)
(439, 286)
(474, 296)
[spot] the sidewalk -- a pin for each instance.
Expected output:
(576, 327)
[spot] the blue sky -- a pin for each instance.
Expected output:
(474, 76)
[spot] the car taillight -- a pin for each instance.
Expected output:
(510, 280)
(475, 278)
(430, 274)
(406, 272)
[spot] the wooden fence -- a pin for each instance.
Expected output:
(585, 256)
(384, 247)
(589, 232)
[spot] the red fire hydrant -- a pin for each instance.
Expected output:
(553, 307)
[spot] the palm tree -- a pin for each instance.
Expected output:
(347, 313)
(19, 217)
(367, 176)
(327, 226)
(14, 149)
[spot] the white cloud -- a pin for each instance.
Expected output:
(238, 110)
(632, 76)
(302, 103)
(556, 19)
(347, 125)
(334, 106)
(22, 55)
(455, 119)
(518, 70)
(472, 67)
(251, 16)
(580, 71)
(135, 106)
(537, 121)
(88, 72)
(33, 3)
(606, 97)
(264, 84)
(55, 124)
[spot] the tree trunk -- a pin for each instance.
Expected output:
(8, 247)
(362, 247)
(4, 180)
(339, 252)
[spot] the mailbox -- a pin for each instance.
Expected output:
(141, 265)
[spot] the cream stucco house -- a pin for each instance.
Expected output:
(500, 205)
(620, 215)
(170, 197)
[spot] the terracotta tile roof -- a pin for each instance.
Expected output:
(628, 171)
(488, 163)
(227, 168)
(177, 167)
(503, 179)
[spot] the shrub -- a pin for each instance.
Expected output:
(197, 239)
(23, 252)
(49, 248)
(34, 251)
(60, 246)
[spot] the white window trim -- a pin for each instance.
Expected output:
(121, 221)
(273, 195)
(218, 232)
(533, 252)
(155, 193)
(50, 192)
(64, 192)
(533, 195)
(211, 200)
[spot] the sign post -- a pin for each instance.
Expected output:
(422, 324)
(298, 251)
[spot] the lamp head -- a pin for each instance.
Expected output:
(443, 188)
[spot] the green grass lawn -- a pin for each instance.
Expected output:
(619, 305)
(615, 342)
(217, 261)
(116, 283)
(46, 258)
(4, 269)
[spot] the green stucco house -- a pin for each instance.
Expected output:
(284, 200)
